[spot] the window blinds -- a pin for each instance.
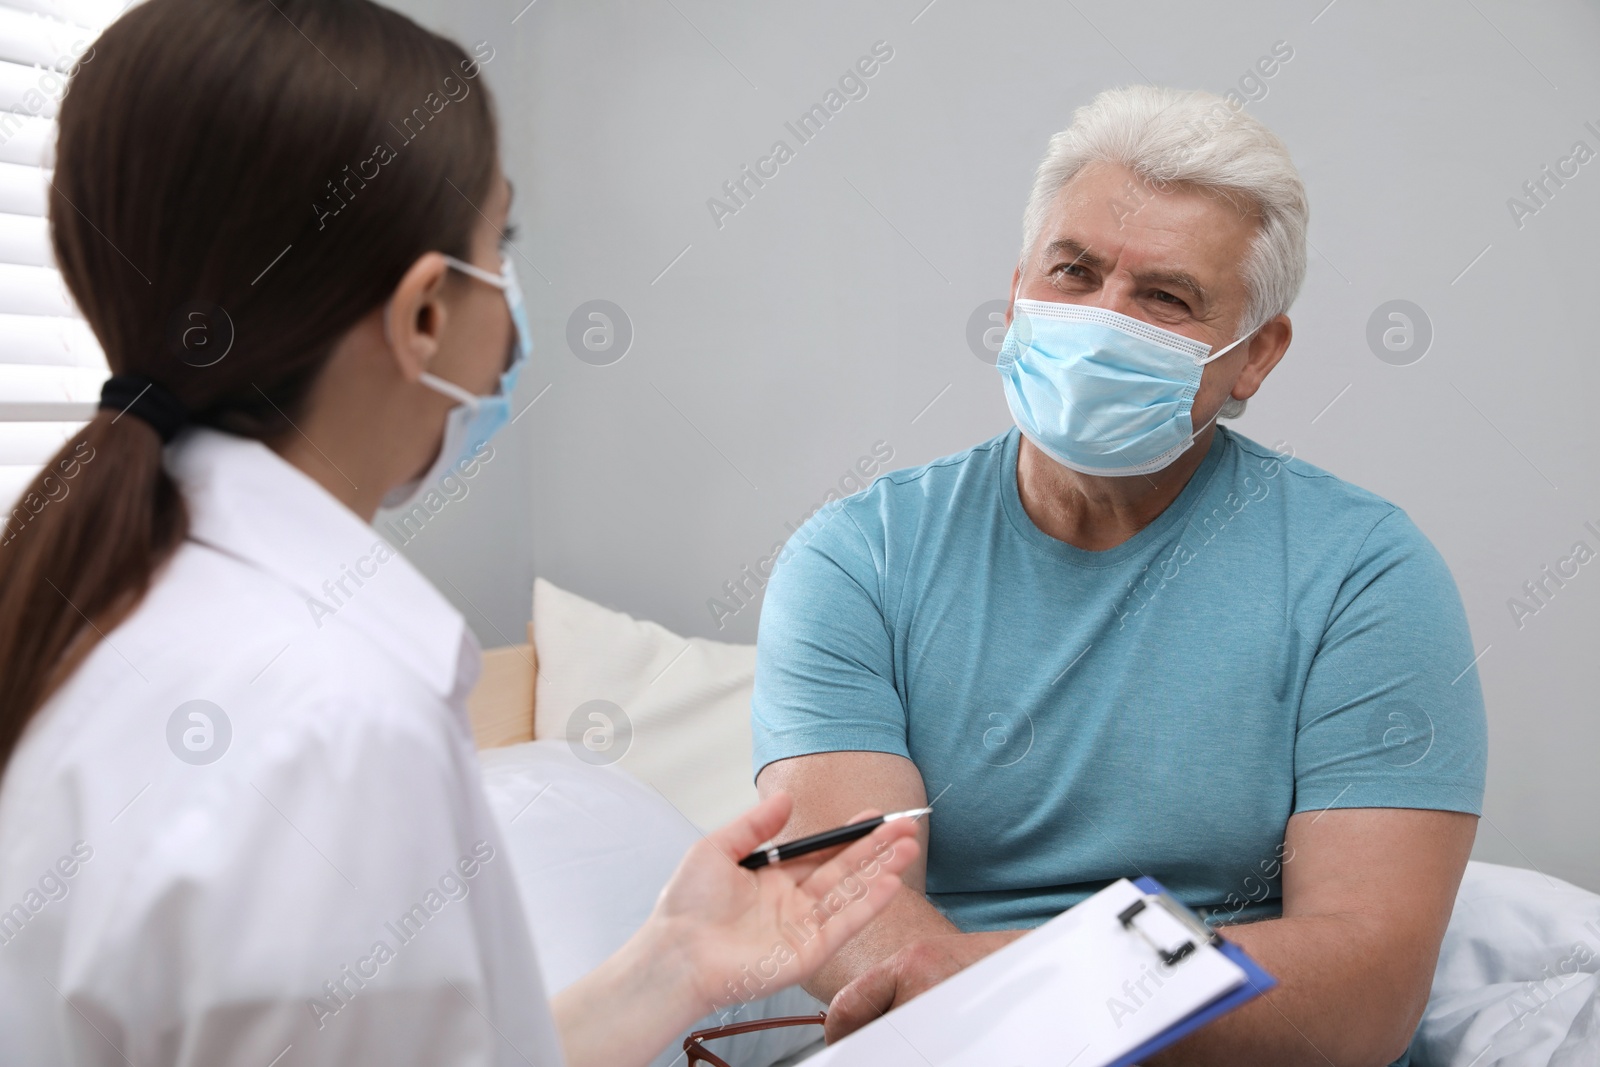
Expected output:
(50, 365)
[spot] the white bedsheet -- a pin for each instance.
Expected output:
(1516, 984)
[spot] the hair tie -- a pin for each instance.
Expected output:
(146, 399)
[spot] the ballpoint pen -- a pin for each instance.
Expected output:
(841, 835)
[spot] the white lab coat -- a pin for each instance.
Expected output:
(331, 888)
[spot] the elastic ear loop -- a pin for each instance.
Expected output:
(461, 265)
(432, 381)
(496, 280)
(1226, 349)
(1211, 359)
(450, 389)
(506, 283)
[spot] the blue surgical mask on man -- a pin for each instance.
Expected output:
(1098, 391)
(474, 419)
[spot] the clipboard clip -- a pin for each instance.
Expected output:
(1170, 948)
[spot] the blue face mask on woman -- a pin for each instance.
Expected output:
(1098, 391)
(474, 419)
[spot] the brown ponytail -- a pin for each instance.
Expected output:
(228, 200)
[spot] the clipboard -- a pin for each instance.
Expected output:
(1044, 999)
(1257, 982)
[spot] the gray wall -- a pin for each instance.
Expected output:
(770, 353)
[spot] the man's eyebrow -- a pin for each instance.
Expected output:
(1176, 279)
(1068, 246)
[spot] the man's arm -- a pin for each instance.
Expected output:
(1367, 894)
(828, 788)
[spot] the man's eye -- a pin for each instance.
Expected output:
(1167, 298)
(508, 234)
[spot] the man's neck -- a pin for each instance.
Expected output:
(1096, 513)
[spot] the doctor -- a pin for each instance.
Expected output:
(234, 830)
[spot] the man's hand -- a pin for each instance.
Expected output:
(915, 969)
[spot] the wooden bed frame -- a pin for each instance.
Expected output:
(501, 705)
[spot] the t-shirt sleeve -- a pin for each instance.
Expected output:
(1392, 715)
(825, 676)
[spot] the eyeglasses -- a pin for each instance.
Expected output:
(695, 1044)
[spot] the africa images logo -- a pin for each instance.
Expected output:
(199, 732)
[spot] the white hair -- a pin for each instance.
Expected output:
(1200, 140)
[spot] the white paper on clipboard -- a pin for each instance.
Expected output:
(1082, 990)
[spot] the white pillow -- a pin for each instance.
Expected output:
(1516, 982)
(591, 849)
(686, 700)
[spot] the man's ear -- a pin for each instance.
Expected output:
(1016, 280)
(414, 317)
(1263, 352)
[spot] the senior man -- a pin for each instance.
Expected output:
(1120, 639)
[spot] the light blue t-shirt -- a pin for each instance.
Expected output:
(1276, 641)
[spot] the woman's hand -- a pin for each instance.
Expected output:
(721, 933)
(745, 934)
